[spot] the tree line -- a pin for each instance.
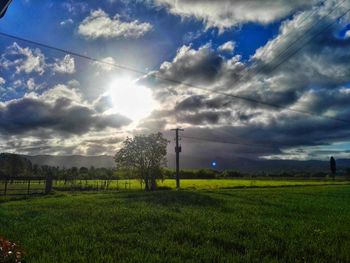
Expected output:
(142, 157)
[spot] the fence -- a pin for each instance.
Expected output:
(25, 186)
(96, 185)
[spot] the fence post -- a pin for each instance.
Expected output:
(28, 190)
(5, 188)
(48, 185)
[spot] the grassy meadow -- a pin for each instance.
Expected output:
(197, 184)
(287, 224)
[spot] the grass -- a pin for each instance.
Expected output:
(196, 184)
(302, 224)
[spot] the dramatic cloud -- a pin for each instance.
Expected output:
(60, 110)
(314, 78)
(303, 66)
(228, 13)
(202, 67)
(99, 25)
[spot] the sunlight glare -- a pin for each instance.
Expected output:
(131, 100)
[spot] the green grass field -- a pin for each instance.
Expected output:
(289, 224)
(197, 183)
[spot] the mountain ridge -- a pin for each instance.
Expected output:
(189, 162)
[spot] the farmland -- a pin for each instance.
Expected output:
(20, 187)
(134, 184)
(285, 224)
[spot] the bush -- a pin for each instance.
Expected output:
(231, 174)
(191, 174)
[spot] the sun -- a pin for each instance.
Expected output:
(131, 100)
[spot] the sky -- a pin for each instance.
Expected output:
(161, 64)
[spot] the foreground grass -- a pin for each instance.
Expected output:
(310, 224)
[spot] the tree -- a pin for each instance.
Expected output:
(347, 174)
(143, 155)
(12, 165)
(333, 166)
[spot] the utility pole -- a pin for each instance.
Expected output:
(177, 151)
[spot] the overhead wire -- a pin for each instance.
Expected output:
(189, 85)
(297, 40)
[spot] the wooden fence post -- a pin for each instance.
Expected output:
(28, 190)
(5, 188)
(48, 185)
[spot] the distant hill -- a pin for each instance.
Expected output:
(260, 165)
(189, 162)
(73, 160)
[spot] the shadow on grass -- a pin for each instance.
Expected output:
(280, 186)
(174, 198)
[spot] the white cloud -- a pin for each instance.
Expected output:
(66, 65)
(29, 61)
(75, 7)
(17, 83)
(2, 81)
(107, 64)
(347, 34)
(31, 84)
(227, 47)
(313, 80)
(228, 13)
(99, 25)
(66, 22)
(62, 91)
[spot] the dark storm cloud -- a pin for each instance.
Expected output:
(202, 118)
(103, 103)
(201, 66)
(314, 79)
(197, 102)
(62, 115)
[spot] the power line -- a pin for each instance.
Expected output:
(258, 69)
(298, 39)
(309, 40)
(256, 101)
(289, 55)
(79, 55)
